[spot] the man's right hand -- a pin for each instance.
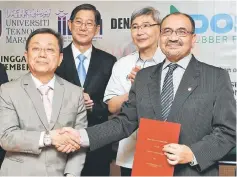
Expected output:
(133, 73)
(66, 141)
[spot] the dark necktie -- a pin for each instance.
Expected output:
(167, 94)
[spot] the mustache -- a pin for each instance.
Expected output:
(176, 42)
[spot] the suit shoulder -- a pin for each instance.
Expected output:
(69, 85)
(149, 69)
(13, 85)
(106, 55)
(68, 47)
(212, 70)
(145, 73)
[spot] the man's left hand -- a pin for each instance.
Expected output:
(178, 154)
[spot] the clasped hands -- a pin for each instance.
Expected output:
(66, 139)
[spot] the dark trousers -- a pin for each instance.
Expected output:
(96, 169)
(97, 162)
(125, 171)
(2, 155)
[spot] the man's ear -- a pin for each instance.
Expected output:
(97, 29)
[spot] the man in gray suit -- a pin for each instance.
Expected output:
(183, 90)
(35, 107)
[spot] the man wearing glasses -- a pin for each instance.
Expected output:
(90, 68)
(145, 34)
(183, 90)
(35, 107)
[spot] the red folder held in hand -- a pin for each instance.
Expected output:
(149, 158)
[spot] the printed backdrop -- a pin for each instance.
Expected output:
(215, 26)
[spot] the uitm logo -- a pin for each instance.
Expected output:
(213, 23)
(62, 23)
(63, 27)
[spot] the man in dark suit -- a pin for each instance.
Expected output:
(90, 68)
(3, 79)
(200, 98)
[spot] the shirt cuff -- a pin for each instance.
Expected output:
(41, 140)
(194, 162)
(84, 139)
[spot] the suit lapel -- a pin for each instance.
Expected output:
(186, 87)
(93, 66)
(70, 65)
(57, 101)
(154, 90)
(34, 95)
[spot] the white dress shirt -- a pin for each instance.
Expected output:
(38, 84)
(177, 74)
(87, 54)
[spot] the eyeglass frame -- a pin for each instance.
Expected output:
(77, 25)
(140, 26)
(172, 30)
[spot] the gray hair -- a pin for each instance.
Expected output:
(146, 11)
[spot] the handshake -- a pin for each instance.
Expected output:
(65, 140)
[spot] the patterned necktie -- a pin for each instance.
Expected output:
(81, 69)
(44, 90)
(167, 94)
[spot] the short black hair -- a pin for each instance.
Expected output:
(86, 7)
(180, 13)
(46, 31)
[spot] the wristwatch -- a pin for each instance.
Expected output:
(47, 139)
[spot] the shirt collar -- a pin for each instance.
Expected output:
(77, 52)
(157, 58)
(183, 63)
(38, 83)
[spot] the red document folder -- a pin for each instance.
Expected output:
(149, 158)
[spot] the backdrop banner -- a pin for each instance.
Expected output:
(215, 27)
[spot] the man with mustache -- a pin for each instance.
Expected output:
(183, 90)
(90, 68)
(145, 31)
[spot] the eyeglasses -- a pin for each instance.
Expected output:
(48, 51)
(88, 25)
(144, 26)
(181, 32)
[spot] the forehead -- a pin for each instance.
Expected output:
(177, 21)
(85, 14)
(44, 39)
(143, 19)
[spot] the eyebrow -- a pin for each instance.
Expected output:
(181, 28)
(78, 18)
(142, 23)
(39, 43)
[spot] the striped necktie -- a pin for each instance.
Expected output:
(167, 94)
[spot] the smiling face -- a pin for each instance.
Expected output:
(83, 27)
(43, 54)
(176, 47)
(147, 36)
